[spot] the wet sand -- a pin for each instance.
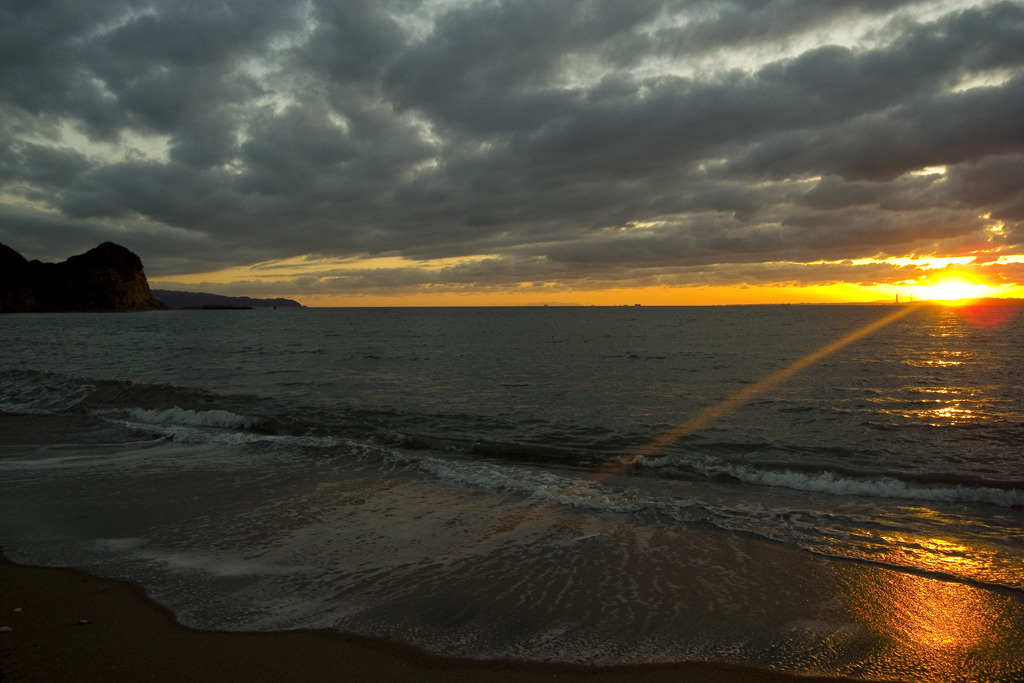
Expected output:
(70, 626)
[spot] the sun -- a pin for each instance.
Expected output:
(952, 288)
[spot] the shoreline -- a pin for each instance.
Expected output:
(69, 625)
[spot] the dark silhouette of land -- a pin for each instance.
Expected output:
(106, 278)
(216, 301)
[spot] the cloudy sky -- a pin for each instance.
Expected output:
(520, 151)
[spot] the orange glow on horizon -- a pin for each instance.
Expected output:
(653, 296)
(624, 296)
(299, 279)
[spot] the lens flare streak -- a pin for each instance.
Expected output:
(731, 403)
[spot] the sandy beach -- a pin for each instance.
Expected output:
(66, 625)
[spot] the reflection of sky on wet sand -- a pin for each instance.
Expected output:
(938, 555)
(935, 631)
(985, 558)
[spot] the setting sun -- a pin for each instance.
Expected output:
(954, 288)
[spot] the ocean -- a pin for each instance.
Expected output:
(813, 489)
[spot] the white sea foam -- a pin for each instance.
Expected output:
(877, 487)
(186, 434)
(194, 418)
(220, 427)
(534, 484)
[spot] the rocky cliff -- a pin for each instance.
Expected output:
(107, 278)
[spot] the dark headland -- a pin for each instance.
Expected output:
(106, 278)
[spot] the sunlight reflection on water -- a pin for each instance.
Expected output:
(932, 630)
(983, 561)
(946, 393)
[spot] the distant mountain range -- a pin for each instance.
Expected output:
(173, 299)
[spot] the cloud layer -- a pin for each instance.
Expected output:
(583, 145)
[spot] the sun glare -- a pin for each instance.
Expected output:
(953, 288)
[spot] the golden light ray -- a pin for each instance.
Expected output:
(731, 403)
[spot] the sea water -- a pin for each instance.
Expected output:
(803, 488)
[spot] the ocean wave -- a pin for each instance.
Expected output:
(278, 441)
(30, 392)
(34, 392)
(223, 419)
(182, 414)
(836, 484)
(219, 427)
(531, 483)
(194, 415)
(903, 542)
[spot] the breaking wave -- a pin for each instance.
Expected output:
(934, 488)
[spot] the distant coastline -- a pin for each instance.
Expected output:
(205, 301)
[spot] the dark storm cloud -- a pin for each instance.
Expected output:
(573, 143)
(935, 130)
(736, 23)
